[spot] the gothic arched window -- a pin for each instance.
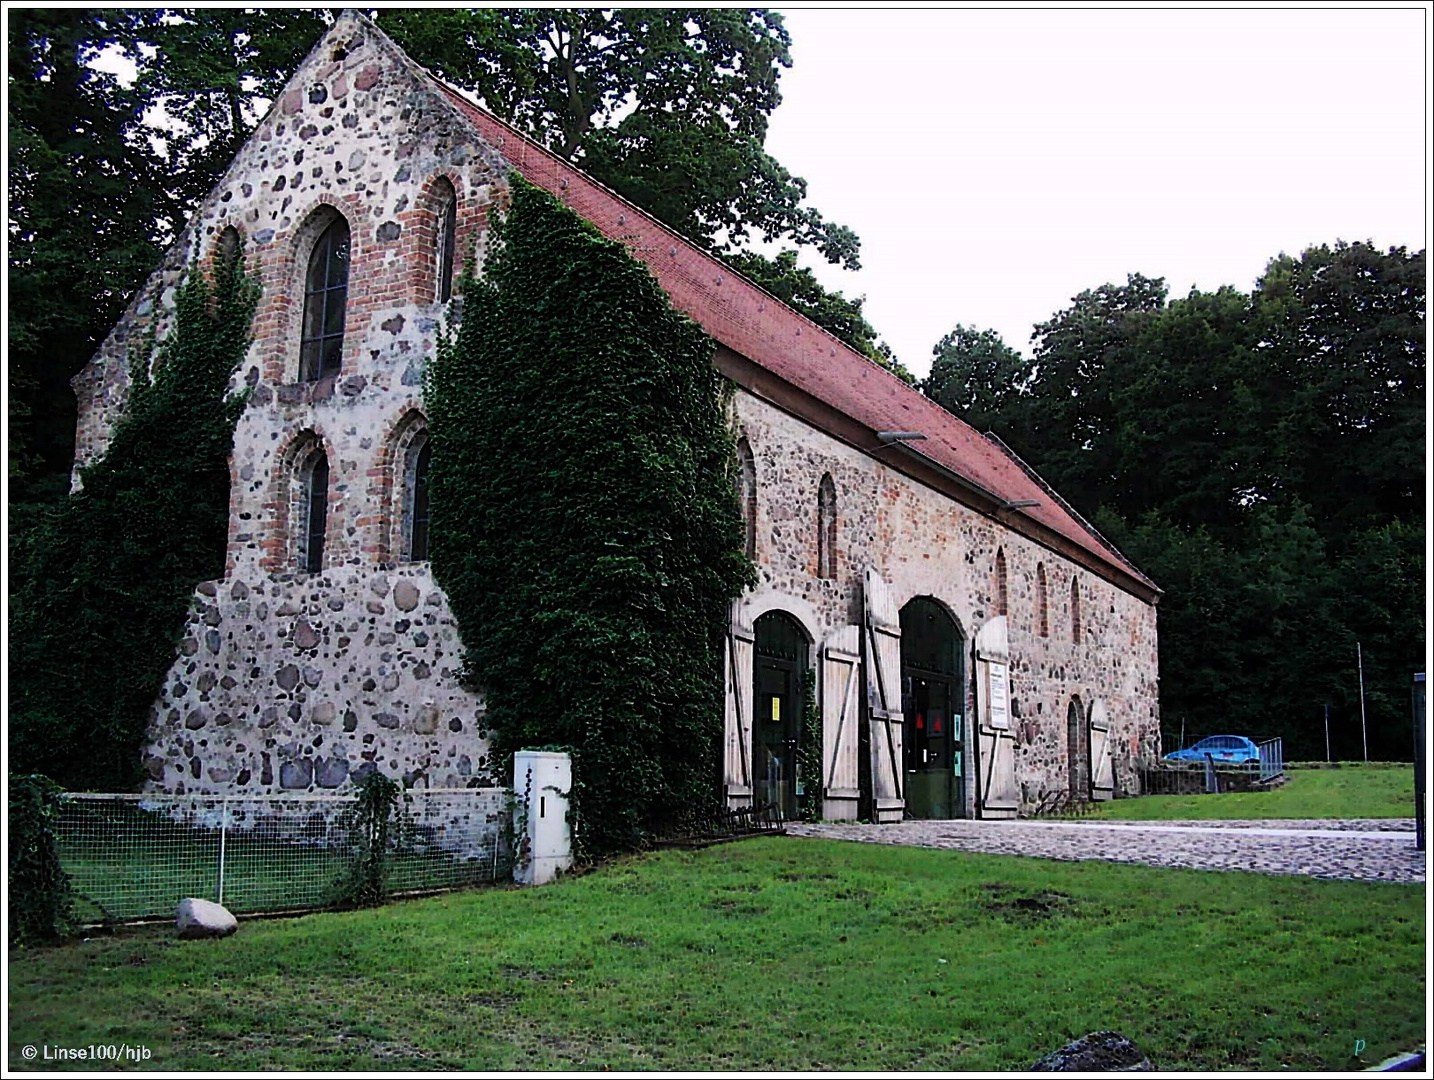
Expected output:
(826, 528)
(416, 501)
(313, 516)
(445, 237)
(747, 493)
(1002, 597)
(326, 291)
(1075, 611)
(1042, 606)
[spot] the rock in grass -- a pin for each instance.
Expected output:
(203, 919)
(1100, 1051)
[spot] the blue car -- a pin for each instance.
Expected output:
(1224, 749)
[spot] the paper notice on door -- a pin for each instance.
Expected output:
(998, 699)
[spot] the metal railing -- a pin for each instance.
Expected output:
(135, 857)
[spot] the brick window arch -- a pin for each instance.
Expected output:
(826, 527)
(1043, 615)
(326, 289)
(747, 493)
(1002, 595)
(1075, 612)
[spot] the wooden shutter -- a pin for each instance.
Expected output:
(881, 647)
(737, 716)
(997, 795)
(1102, 775)
(841, 715)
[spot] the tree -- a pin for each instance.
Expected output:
(585, 525)
(799, 289)
(86, 192)
(101, 582)
(667, 107)
(981, 379)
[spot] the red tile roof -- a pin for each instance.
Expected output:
(749, 321)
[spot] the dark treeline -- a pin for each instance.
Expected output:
(1261, 457)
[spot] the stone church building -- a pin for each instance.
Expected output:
(976, 645)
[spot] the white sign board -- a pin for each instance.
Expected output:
(998, 715)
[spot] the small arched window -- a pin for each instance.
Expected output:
(1042, 609)
(226, 251)
(445, 237)
(747, 493)
(416, 508)
(826, 528)
(1075, 611)
(313, 516)
(326, 291)
(1002, 597)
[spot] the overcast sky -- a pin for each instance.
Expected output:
(996, 163)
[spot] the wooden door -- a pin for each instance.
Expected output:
(737, 719)
(1102, 771)
(881, 657)
(997, 795)
(841, 717)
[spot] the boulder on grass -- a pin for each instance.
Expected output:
(1100, 1051)
(203, 918)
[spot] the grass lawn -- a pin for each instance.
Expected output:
(776, 953)
(1351, 791)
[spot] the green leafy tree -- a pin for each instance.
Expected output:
(586, 528)
(798, 288)
(86, 192)
(100, 583)
(668, 107)
(981, 379)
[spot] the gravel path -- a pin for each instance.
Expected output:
(1369, 850)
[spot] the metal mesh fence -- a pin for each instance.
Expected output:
(136, 856)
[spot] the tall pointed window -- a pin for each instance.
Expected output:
(1042, 608)
(1002, 597)
(1075, 611)
(446, 237)
(826, 528)
(326, 290)
(314, 506)
(747, 493)
(417, 515)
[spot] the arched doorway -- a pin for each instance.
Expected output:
(781, 663)
(1077, 752)
(933, 696)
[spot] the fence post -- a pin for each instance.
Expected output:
(223, 835)
(1418, 703)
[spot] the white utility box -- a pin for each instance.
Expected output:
(541, 782)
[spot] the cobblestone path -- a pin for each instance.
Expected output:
(1368, 850)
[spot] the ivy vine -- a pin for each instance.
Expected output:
(101, 581)
(41, 901)
(585, 523)
(809, 752)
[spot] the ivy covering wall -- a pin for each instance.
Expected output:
(101, 581)
(585, 523)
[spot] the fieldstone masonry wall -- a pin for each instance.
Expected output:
(290, 681)
(302, 685)
(924, 544)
